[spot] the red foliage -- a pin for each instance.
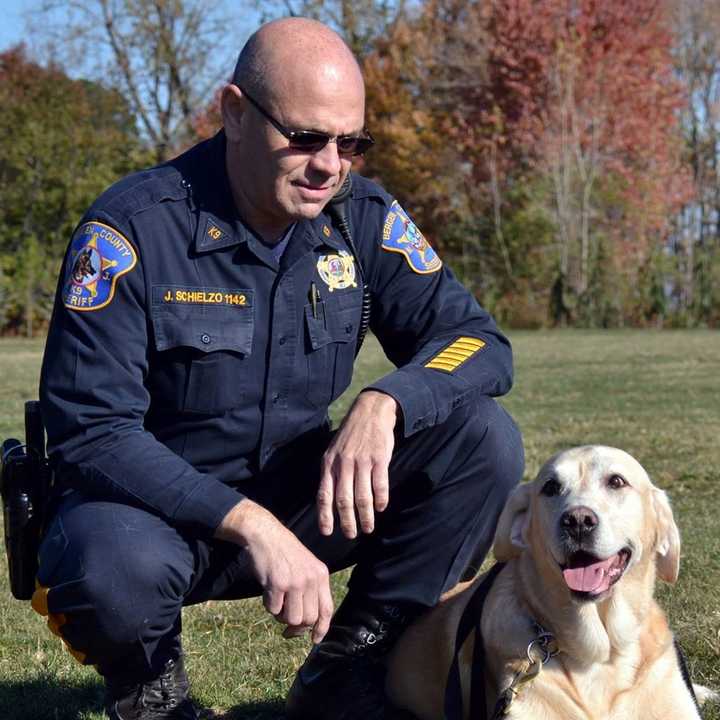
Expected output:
(597, 71)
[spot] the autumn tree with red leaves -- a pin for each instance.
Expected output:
(578, 99)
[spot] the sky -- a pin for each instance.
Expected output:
(12, 27)
(15, 14)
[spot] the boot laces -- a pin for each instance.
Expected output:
(160, 694)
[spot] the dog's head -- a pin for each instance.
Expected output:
(589, 518)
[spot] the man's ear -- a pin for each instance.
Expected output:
(231, 107)
(514, 519)
(667, 538)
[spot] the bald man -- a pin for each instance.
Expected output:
(186, 384)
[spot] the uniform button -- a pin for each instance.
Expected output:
(281, 341)
(205, 339)
(348, 328)
(276, 397)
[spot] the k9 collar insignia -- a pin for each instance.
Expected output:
(337, 271)
(99, 255)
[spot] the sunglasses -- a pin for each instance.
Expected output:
(313, 141)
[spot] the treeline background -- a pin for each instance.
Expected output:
(562, 155)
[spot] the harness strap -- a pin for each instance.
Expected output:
(685, 672)
(470, 620)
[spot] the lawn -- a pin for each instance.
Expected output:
(655, 394)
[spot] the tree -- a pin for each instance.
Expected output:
(166, 56)
(696, 242)
(578, 100)
(63, 141)
(360, 22)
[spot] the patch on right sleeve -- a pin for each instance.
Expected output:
(98, 256)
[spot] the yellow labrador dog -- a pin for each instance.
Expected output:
(582, 546)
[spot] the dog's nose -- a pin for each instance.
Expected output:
(579, 522)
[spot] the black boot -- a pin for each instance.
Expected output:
(164, 697)
(343, 677)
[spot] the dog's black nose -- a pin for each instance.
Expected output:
(579, 522)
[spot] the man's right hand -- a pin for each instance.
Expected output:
(296, 585)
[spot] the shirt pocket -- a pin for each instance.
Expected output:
(331, 338)
(202, 357)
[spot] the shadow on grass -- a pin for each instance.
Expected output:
(45, 698)
(270, 710)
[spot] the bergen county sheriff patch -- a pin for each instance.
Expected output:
(401, 235)
(98, 256)
(337, 271)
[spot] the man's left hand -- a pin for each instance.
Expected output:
(354, 474)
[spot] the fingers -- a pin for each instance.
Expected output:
(357, 488)
(273, 601)
(364, 502)
(345, 496)
(325, 611)
(293, 611)
(313, 605)
(325, 496)
(381, 486)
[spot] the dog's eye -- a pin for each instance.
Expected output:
(616, 482)
(551, 487)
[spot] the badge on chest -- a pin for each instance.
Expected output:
(337, 270)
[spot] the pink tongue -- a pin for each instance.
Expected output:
(591, 578)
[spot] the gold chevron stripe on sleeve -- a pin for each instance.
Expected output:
(455, 354)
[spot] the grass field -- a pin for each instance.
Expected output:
(657, 395)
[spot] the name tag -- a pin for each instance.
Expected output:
(184, 295)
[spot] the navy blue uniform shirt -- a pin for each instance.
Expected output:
(183, 358)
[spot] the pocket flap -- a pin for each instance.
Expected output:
(331, 325)
(206, 332)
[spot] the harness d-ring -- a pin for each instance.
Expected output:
(542, 645)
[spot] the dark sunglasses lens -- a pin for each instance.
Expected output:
(361, 145)
(347, 144)
(308, 141)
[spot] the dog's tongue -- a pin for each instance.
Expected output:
(590, 578)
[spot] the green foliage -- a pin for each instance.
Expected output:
(62, 142)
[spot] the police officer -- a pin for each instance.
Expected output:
(207, 314)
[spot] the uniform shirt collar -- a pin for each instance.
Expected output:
(218, 223)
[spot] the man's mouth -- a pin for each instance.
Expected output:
(314, 190)
(588, 576)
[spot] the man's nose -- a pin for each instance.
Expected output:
(327, 160)
(579, 522)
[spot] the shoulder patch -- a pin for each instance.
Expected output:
(401, 235)
(98, 256)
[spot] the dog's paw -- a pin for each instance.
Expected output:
(703, 694)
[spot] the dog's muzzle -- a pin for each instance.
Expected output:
(588, 576)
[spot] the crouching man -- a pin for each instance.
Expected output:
(208, 313)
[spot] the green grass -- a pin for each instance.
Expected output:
(657, 395)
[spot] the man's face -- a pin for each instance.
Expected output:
(279, 184)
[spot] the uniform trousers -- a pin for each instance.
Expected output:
(119, 576)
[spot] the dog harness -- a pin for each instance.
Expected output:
(540, 650)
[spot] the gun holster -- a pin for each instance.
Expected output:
(25, 480)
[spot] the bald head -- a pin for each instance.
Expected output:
(293, 75)
(278, 58)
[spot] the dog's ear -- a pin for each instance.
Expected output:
(667, 538)
(509, 536)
